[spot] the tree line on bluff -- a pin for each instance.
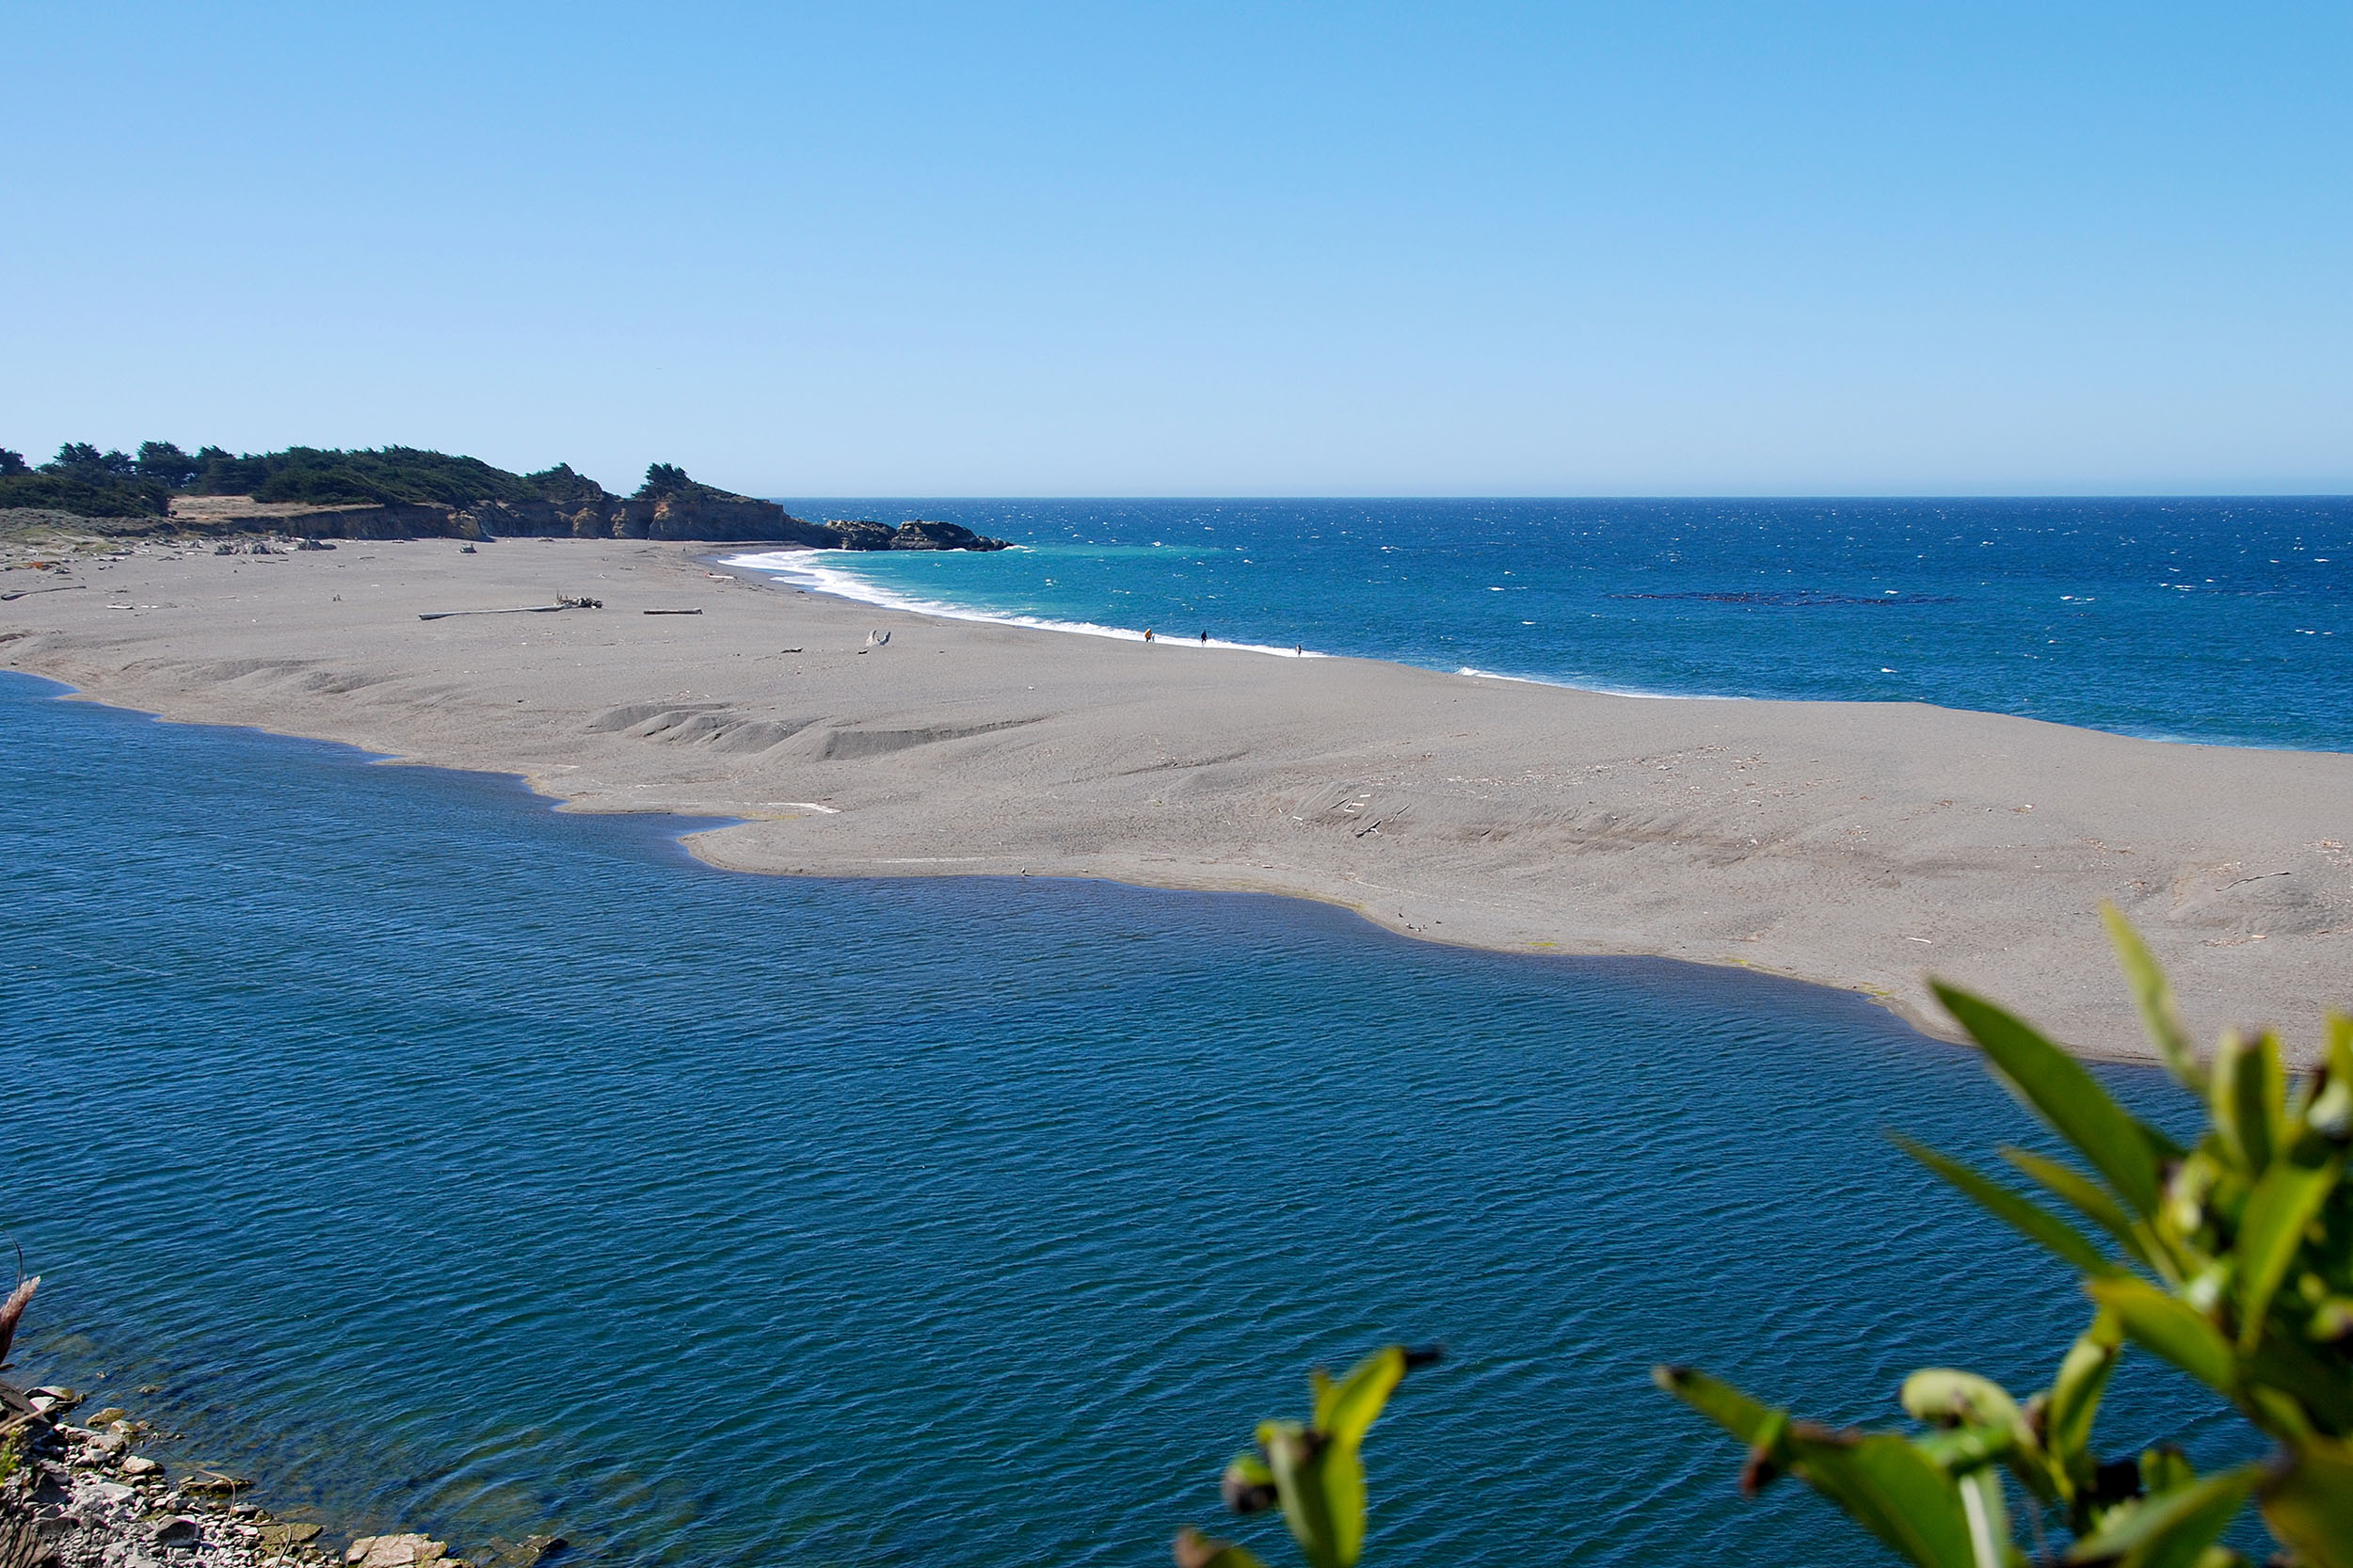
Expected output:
(83, 479)
(470, 496)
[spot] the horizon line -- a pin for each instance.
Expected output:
(1629, 495)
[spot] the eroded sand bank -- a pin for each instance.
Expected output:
(1860, 845)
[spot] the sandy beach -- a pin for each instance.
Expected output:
(1856, 845)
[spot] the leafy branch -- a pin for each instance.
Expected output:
(2232, 1260)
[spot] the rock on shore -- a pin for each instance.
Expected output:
(81, 1497)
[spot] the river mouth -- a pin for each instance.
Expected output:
(445, 1161)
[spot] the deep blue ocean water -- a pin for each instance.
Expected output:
(444, 1161)
(2217, 621)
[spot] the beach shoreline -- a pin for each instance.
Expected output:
(1850, 844)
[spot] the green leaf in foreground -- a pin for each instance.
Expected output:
(1313, 1470)
(2153, 994)
(2031, 1220)
(2169, 1328)
(2248, 1095)
(1347, 1408)
(2173, 1529)
(2310, 1503)
(1893, 1490)
(1719, 1402)
(2058, 1089)
(1196, 1550)
(2074, 1400)
(1944, 1397)
(2250, 1238)
(2080, 1192)
(2283, 1204)
(1297, 1457)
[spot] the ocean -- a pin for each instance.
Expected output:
(443, 1161)
(2222, 621)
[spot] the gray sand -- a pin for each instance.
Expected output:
(1859, 845)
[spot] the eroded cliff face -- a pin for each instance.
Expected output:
(699, 514)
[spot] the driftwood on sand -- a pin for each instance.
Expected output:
(565, 602)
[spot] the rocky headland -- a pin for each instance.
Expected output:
(703, 515)
(407, 493)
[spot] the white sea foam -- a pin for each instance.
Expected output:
(803, 569)
(1604, 690)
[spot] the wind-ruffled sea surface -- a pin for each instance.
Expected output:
(441, 1160)
(2215, 620)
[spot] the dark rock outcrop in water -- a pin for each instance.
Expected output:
(862, 534)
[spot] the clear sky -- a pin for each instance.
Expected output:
(1198, 248)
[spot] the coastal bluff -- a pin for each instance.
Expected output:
(398, 492)
(702, 516)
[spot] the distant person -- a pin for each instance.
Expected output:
(1205, 639)
(1148, 633)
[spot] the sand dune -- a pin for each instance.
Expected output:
(1860, 845)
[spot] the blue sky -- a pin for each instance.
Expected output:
(1356, 249)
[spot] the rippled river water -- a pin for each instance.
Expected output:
(446, 1160)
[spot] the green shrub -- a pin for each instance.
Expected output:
(58, 493)
(2232, 1260)
(388, 476)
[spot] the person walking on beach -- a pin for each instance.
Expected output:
(1205, 639)
(1148, 633)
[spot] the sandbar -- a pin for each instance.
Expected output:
(1861, 845)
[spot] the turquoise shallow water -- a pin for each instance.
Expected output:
(2206, 620)
(450, 1162)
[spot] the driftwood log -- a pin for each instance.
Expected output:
(564, 603)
